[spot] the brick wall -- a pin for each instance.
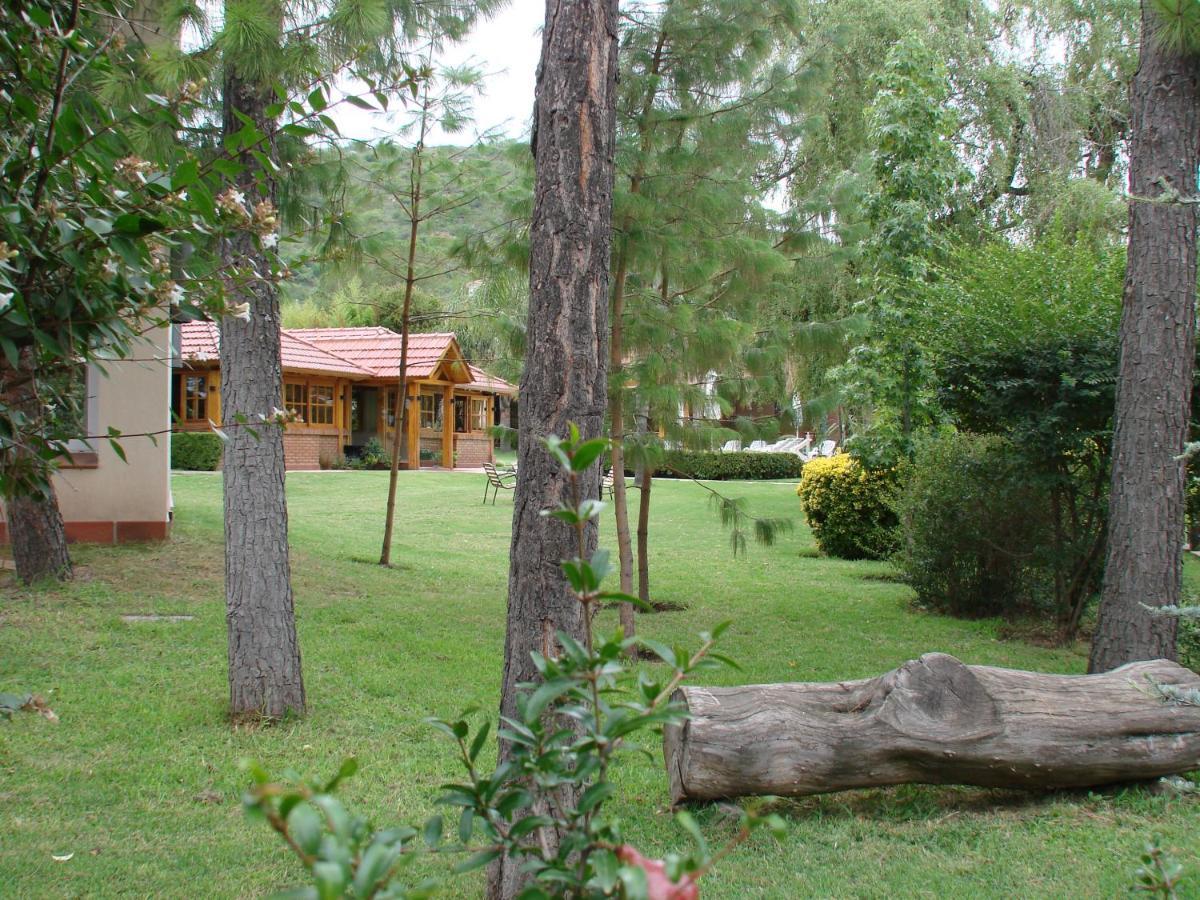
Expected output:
(473, 450)
(433, 445)
(305, 450)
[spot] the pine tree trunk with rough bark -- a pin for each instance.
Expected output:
(1146, 508)
(264, 654)
(35, 523)
(565, 377)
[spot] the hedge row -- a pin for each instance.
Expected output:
(737, 466)
(195, 450)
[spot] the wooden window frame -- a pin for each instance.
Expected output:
(477, 416)
(430, 420)
(330, 407)
(300, 408)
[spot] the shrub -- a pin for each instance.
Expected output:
(849, 507)
(196, 450)
(975, 528)
(739, 466)
(986, 531)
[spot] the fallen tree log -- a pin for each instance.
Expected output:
(934, 720)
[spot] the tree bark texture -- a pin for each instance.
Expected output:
(565, 376)
(1146, 508)
(264, 654)
(934, 720)
(35, 523)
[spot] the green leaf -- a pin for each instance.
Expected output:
(544, 695)
(376, 862)
(477, 861)
(306, 827)
(135, 224)
(480, 738)
(330, 879)
(466, 823)
(587, 453)
(433, 832)
(348, 768)
(595, 795)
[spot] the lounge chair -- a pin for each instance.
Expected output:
(497, 481)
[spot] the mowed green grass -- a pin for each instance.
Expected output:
(140, 780)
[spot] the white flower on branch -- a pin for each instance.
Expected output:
(270, 241)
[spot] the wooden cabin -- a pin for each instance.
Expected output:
(341, 384)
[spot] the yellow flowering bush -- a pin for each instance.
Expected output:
(849, 507)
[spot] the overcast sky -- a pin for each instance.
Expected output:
(506, 49)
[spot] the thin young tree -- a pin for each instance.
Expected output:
(443, 100)
(1144, 563)
(565, 376)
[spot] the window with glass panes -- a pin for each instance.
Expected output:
(295, 398)
(320, 404)
(479, 415)
(431, 410)
(191, 398)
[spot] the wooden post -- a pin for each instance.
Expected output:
(214, 396)
(414, 426)
(448, 426)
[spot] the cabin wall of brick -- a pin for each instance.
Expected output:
(473, 450)
(305, 451)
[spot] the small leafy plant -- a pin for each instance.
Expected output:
(543, 805)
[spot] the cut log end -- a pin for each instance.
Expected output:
(933, 720)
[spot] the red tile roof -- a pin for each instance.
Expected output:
(378, 349)
(201, 342)
(482, 381)
(369, 352)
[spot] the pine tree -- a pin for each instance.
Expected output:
(564, 379)
(1144, 562)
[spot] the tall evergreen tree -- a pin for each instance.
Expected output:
(565, 376)
(1144, 562)
(701, 102)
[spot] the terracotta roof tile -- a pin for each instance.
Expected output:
(482, 381)
(366, 352)
(378, 348)
(201, 342)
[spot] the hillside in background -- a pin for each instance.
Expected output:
(358, 278)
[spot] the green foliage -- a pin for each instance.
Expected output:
(196, 450)
(736, 466)
(1177, 24)
(372, 456)
(972, 525)
(87, 225)
(1160, 873)
(849, 507)
(1022, 342)
(915, 169)
(543, 806)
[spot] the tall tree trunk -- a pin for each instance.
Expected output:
(399, 442)
(565, 377)
(35, 524)
(616, 356)
(1146, 508)
(264, 655)
(645, 478)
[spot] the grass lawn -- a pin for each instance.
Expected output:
(140, 779)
